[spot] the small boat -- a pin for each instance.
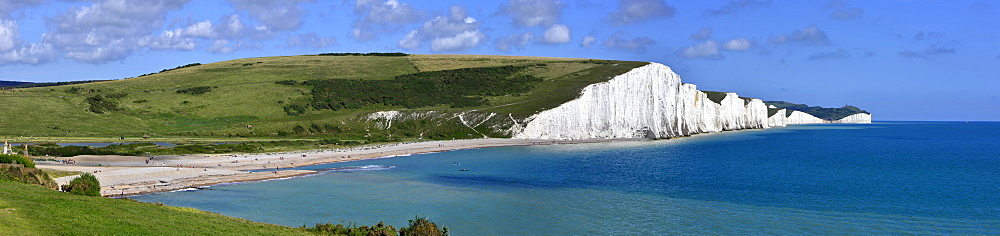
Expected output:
(464, 169)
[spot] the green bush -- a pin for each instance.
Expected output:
(86, 185)
(16, 159)
(195, 90)
(458, 88)
(26, 175)
(100, 104)
(330, 229)
(421, 226)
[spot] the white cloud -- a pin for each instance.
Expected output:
(735, 6)
(632, 11)
(739, 44)
(9, 36)
(810, 36)
(169, 40)
(457, 43)
(376, 17)
(707, 50)
(620, 41)
(702, 34)
(556, 34)
(310, 40)
(278, 15)
(588, 41)
(108, 30)
(513, 41)
(202, 29)
(836, 54)
(10, 6)
(843, 10)
(529, 13)
(14, 51)
(452, 33)
(933, 50)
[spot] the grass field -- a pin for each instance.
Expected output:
(34, 210)
(239, 99)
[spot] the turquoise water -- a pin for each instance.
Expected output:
(883, 178)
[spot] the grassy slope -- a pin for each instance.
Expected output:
(34, 210)
(244, 93)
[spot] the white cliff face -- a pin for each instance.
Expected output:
(859, 118)
(646, 102)
(778, 119)
(798, 117)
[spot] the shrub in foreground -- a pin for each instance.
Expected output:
(330, 229)
(16, 159)
(18, 173)
(86, 185)
(421, 226)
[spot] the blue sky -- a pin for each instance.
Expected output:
(899, 59)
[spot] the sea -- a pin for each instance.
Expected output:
(880, 178)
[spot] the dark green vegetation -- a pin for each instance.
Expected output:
(458, 88)
(16, 159)
(195, 90)
(21, 174)
(39, 85)
(375, 54)
(146, 149)
(819, 112)
(716, 97)
(86, 185)
(310, 97)
(12, 83)
(422, 227)
(29, 209)
(33, 210)
(772, 111)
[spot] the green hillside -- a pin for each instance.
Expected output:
(34, 210)
(819, 112)
(311, 96)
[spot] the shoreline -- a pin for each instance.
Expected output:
(123, 176)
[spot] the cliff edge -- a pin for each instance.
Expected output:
(651, 102)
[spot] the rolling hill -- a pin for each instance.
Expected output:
(12, 83)
(34, 210)
(312, 96)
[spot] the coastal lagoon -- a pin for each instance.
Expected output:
(882, 178)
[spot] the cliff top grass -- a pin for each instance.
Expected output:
(254, 98)
(817, 111)
(34, 210)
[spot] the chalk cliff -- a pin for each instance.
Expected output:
(798, 117)
(861, 118)
(778, 119)
(646, 102)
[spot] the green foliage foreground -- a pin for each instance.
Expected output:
(16, 159)
(21, 174)
(86, 185)
(32, 210)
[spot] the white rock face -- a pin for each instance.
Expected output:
(646, 102)
(778, 119)
(798, 117)
(859, 118)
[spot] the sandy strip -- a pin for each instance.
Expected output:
(125, 175)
